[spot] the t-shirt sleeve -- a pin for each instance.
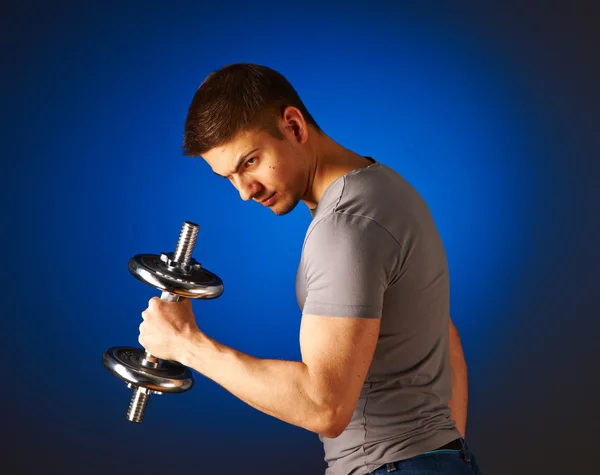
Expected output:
(349, 262)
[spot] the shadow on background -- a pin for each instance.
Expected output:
(492, 113)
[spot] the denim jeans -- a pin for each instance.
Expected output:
(446, 462)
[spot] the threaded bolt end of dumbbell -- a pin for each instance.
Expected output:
(137, 405)
(186, 243)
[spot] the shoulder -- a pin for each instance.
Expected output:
(374, 192)
(340, 242)
(340, 226)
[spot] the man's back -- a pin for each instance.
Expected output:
(394, 246)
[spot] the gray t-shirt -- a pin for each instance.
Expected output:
(372, 250)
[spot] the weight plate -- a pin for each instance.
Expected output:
(126, 364)
(198, 284)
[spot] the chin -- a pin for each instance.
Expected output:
(285, 207)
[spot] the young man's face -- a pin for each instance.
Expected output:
(263, 168)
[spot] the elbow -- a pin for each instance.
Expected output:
(332, 423)
(333, 429)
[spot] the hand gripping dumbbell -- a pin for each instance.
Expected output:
(177, 274)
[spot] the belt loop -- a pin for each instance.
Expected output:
(464, 450)
(390, 467)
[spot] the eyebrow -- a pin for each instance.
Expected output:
(238, 164)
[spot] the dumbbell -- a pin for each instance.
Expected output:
(177, 274)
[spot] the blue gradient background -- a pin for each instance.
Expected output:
(492, 113)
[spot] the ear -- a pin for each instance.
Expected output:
(294, 124)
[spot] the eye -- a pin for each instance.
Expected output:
(251, 161)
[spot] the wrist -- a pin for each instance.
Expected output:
(192, 349)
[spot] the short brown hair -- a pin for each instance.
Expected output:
(236, 98)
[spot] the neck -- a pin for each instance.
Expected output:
(330, 161)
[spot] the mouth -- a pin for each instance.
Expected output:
(269, 201)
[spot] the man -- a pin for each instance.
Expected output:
(382, 378)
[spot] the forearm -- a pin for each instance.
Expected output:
(458, 368)
(458, 404)
(281, 389)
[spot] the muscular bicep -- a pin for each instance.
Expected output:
(337, 352)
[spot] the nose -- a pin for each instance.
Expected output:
(248, 189)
